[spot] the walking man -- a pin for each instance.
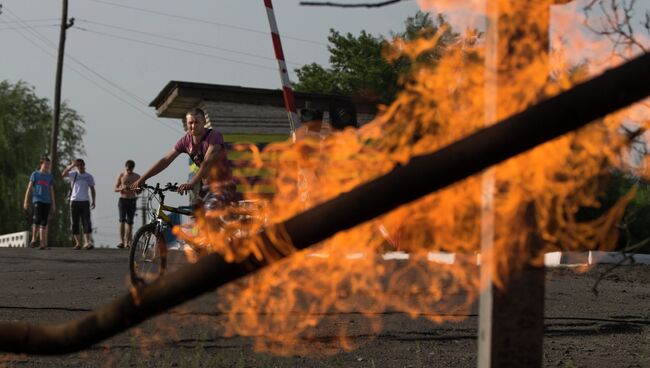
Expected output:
(127, 202)
(41, 190)
(80, 182)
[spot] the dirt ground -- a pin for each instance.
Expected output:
(611, 329)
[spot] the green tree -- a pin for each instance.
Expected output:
(633, 227)
(359, 65)
(25, 123)
(357, 68)
(423, 26)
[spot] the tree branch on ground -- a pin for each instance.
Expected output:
(628, 256)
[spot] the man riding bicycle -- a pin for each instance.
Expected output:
(207, 150)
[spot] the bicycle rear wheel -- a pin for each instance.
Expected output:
(147, 256)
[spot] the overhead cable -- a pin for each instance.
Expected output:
(179, 40)
(49, 43)
(207, 22)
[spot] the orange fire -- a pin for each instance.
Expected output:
(537, 195)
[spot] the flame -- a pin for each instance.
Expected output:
(538, 195)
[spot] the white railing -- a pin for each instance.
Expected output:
(553, 259)
(14, 240)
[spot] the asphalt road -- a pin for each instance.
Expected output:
(611, 329)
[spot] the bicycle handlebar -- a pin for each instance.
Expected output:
(169, 187)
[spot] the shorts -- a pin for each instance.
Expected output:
(127, 209)
(40, 213)
(80, 213)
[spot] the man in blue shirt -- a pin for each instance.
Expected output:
(41, 190)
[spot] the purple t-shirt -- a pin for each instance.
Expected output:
(197, 153)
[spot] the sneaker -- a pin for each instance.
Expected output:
(89, 246)
(42, 247)
(121, 246)
(33, 244)
(77, 247)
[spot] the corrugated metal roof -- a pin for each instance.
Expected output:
(177, 97)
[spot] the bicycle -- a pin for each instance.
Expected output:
(148, 253)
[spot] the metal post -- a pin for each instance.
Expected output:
(487, 192)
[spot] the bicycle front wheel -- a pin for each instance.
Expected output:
(147, 256)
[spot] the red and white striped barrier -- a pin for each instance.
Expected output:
(287, 89)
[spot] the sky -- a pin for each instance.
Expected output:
(120, 54)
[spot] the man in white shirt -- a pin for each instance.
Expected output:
(81, 182)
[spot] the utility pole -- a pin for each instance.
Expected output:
(57, 88)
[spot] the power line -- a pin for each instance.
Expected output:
(266, 33)
(86, 67)
(33, 20)
(51, 44)
(135, 97)
(239, 62)
(346, 5)
(24, 27)
(31, 41)
(27, 27)
(180, 40)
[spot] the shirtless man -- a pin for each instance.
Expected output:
(127, 202)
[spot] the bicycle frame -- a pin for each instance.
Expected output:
(148, 258)
(152, 251)
(160, 215)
